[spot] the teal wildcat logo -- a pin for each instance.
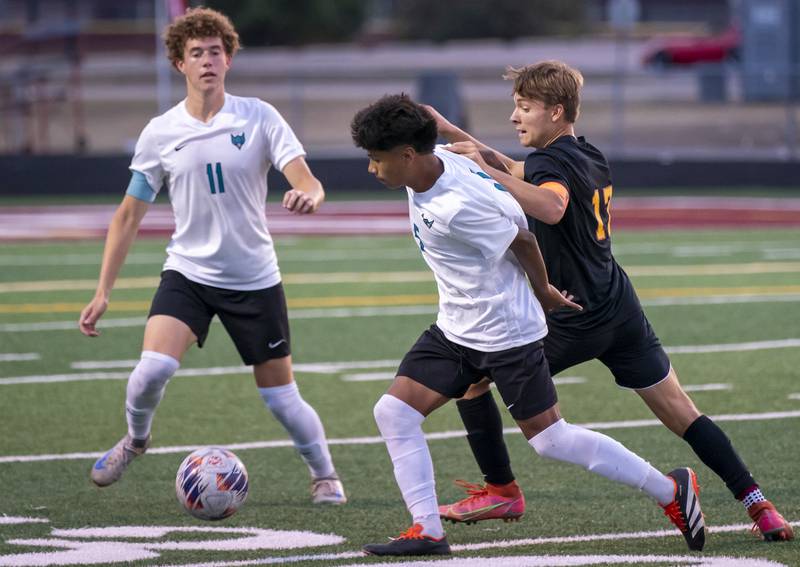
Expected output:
(237, 141)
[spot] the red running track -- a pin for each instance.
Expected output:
(391, 217)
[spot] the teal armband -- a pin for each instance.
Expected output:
(140, 189)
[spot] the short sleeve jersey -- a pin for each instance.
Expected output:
(577, 249)
(216, 174)
(464, 225)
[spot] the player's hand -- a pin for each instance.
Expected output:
(90, 315)
(551, 299)
(443, 125)
(470, 150)
(300, 202)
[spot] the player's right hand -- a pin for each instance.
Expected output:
(90, 315)
(443, 125)
(551, 300)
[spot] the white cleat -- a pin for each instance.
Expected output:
(109, 468)
(328, 491)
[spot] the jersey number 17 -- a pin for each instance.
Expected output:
(601, 201)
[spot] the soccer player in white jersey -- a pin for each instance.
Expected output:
(473, 235)
(212, 151)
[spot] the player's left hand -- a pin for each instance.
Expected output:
(551, 299)
(299, 202)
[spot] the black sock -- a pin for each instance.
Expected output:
(714, 448)
(485, 435)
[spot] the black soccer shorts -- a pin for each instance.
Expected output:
(521, 374)
(257, 321)
(630, 350)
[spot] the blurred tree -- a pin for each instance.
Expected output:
(503, 19)
(293, 22)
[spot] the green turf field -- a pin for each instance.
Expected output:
(362, 302)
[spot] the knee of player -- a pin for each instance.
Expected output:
(395, 417)
(155, 368)
(555, 442)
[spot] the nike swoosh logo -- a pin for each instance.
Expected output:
(179, 148)
(273, 345)
(479, 511)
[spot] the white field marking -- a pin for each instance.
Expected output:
(278, 443)
(310, 367)
(368, 377)
(531, 560)
(733, 347)
(73, 259)
(715, 269)
(19, 356)
(406, 276)
(110, 550)
(22, 520)
(100, 364)
(579, 560)
(706, 387)
(384, 376)
(336, 367)
(720, 299)
(794, 396)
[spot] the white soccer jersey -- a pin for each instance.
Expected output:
(464, 225)
(216, 173)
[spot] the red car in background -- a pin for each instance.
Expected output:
(692, 50)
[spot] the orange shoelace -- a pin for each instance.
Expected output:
(414, 532)
(474, 490)
(673, 512)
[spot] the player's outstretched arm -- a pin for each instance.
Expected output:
(306, 194)
(121, 233)
(546, 203)
(526, 249)
(454, 134)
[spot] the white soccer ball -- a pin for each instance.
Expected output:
(211, 483)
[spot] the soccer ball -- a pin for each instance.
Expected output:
(211, 483)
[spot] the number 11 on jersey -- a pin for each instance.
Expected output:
(210, 174)
(602, 208)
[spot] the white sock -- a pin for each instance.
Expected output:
(401, 428)
(602, 455)
(303, 425)
(146, 386)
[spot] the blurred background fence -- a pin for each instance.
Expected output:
(715, 81)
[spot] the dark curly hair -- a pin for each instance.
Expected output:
(394, 120)
(199, 23)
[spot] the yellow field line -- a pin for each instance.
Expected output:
(417, 299)
(409, 276)
(307, 302)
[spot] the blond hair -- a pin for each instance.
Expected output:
(199, 23)
(549, 82)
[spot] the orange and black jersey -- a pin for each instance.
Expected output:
(577, 249)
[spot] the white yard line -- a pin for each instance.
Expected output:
(734, 347)
(19, 356)
(377, 440)
(706, 387)
(706, 560)
(795, 396)
(336, 367)
(102, 364)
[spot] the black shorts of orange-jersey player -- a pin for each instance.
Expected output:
(565, 188)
